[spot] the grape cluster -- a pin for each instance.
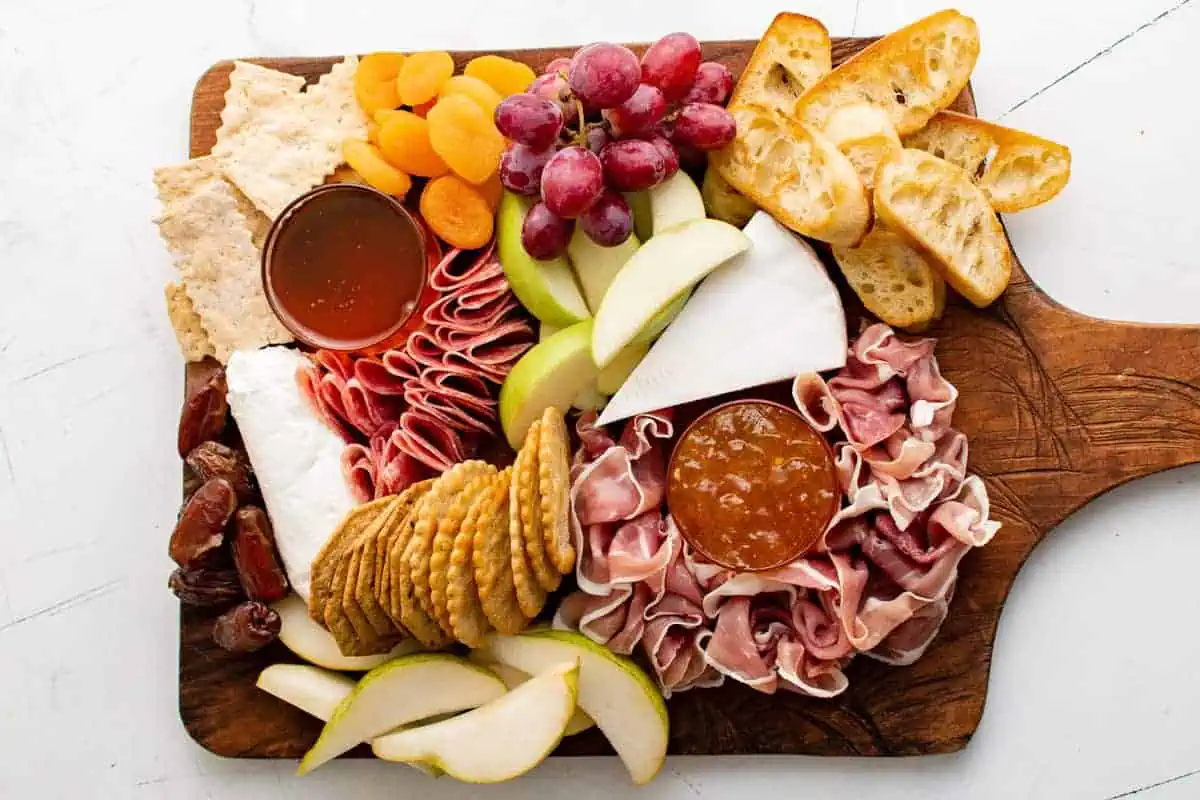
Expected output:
(601, 123)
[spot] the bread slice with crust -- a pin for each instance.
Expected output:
(723, 202)
(793, 54)
(796, 174)
(940, 211)
(893, 280)
(1015, 169)
(910, 74)
(866, 135)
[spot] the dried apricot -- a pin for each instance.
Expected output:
(375, 81)
(384, 114)
(475, 89)
(457, 212)
(464, 135)
(372, 131)
(404, 142)
(365, 159)
(422, 76)
(506, 76)
(492, 190)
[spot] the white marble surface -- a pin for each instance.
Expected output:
(1093, 691)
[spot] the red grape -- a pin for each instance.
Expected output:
(555, 88)
(544, 234)
(530, 120)
(671, 64)
(521, 168)
(640, 112)
(597, 137)
(609, 221)
(670, 157)
(690, 158)
(704, 126)
(572, 180)
(604, 75)
(713, 83)
(559, 66)
(631, 165)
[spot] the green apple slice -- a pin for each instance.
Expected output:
(596, 266)
(316, 645)
(643, 220)
(401, 692)
(614, 692)
(311, 689)
(546, 288)
(498, 741)
(611, 377)
(589, 398)
(674, 201)
(664, 268)
(552, 373)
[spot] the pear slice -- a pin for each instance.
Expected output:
(666, 266)
(613, 691)
(401, 692)
(498, 741)
(514, 677)
(316, 645)
(311, 689)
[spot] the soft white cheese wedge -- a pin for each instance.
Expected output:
(296, 458)
(767, 315)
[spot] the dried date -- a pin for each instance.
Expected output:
(206, 587)
(210, 460)
(255, 558)
(201, 526)
(247, 627)
(204, 411)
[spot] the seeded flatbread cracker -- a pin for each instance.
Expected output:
(529, 508)
(553, 485)
(189, 330)
(352, 526)
(352, 639)
(530, 593)
(491, 557)
(402, 596)
(211, 242)
(346, 579)
(363, 577)
(468, 621)
(378, 562)
(277, 142)
(436, 506)
(443, 542)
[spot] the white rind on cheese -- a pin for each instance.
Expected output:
(766, 316)
(296, 458)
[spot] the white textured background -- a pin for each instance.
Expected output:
(1094, 691)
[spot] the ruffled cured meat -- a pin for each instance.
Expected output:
(878, 582)
(408, 411)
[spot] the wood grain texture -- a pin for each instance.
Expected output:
(1059, 408)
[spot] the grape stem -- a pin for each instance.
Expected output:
(581, 137)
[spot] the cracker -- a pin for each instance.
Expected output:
(468, 621)
(277, 142)
(443, 542)
(211, 242)
(436, 506)
(491, 558)
(365, 577)
(529, 509)
(530, 593)
(344, 588)
(383, 548)
(189, 330)
(553, 486)
(350, 639)
(403, 603)
(353, 525)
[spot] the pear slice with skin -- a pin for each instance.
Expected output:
(400, 692)
(514, 677)
(626, 705)
(496, 742)
(311, 689)
(316, 645)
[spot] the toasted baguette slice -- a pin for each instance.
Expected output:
(791, 56)
(724, 202)
(893, 280)
(866, 135)
(934, 205)
(796, 174)
(1016, 170)
(910, 74)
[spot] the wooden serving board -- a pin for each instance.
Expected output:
(1059, 408)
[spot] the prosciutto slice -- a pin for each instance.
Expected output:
(878, 582)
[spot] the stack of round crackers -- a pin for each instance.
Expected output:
(454, 557)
